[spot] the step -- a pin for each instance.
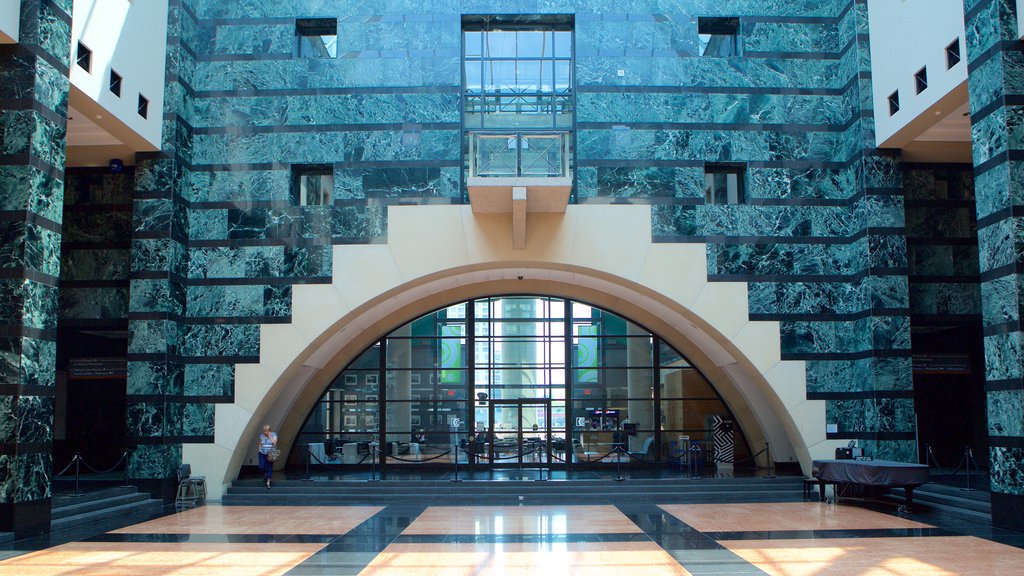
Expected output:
(968, 505)
(66, 510)
(475, 492)
(66, 497)
(101, 505)
(722, 498)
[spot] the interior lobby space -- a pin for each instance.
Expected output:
(533, 286)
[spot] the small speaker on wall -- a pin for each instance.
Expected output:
(116, 166)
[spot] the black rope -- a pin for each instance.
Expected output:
(516, 455)
(750, 459)
(587, 461)
(420, 461)
(637, 458)
(68, 467)
(108, 470)
(333, 467)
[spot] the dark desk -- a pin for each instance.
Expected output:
(871, 473)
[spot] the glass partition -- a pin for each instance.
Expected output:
(513, 381)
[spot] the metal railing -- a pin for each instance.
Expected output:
(519, 154)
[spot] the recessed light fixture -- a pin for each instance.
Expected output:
(99, 116)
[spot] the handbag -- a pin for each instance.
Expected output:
(273, 455)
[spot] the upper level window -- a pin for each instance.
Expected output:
(921, 80)
(318, 37)
(115, 83)
(953, 54)
(143, 106)
(723, 184)
(894, 102)
(718, 37)
(519, 73)
(313, 185)
(84, 57)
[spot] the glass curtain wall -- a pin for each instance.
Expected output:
(514, 380)
(518, 95)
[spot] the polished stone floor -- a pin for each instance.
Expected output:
(637, 539)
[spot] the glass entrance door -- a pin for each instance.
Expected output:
(519, 433)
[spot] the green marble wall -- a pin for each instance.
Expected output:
(33, 89)
(218, 241)
(819, 240)
(996, 86)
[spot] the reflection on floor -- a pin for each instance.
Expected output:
(641, 538)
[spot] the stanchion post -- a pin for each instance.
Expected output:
(78, 475)
(768, 455)
(309, 456)
(968, 455)
(125, 485)
(618, 464)
(540, 465)
(373, 465)
(456, 478)
(695, 474)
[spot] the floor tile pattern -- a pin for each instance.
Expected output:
(637, 539)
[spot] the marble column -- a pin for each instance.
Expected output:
(875, 404)
(33, 120)
(159, 418)
(996, 85)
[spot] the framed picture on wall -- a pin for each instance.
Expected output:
(351, 380)
(350, 399)
(414, 379)
(371, 380)
(414, 420)
(371, 397)
(370, 421)
(351, 421)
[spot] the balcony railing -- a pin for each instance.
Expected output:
(519, 154)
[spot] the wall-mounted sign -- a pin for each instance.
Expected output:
(97, 368)
(942, 364)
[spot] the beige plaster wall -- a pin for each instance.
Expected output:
(436, 255)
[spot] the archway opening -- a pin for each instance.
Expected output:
(519, 381)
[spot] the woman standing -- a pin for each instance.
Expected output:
(268, 442)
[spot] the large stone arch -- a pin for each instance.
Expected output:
(437, 255)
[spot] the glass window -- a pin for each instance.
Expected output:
(84, 57)
(723, 184)
(436, 393)
(500, 44)
(563, 76)
(318, 37)
(530, 60)
(563, 44)
(143, 106)
(313, 185)
(953, 54)
(684, 383)
(474, 44)
(115, 83)
(718, 37)
(534, 44)
(474, 76)
(500, 76)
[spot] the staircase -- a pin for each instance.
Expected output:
(70, 511)
(950, 501)
(476, 492)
